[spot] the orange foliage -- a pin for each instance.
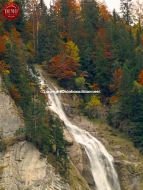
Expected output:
(1, 19)
(65, 64)
(15, 36)
(95, 86)
(142, 40)
(101, 34)
(103, 40)
(64, 35)
(72, 4)
(2, 44)
(104, 12)
(117, 76)
(63, 67)
(140, 77)
(107, 52)
(114, 99)
(57, 6)
(15, 93)
(3, 40)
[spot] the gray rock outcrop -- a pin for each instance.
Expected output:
(24, 168)
(10, 120)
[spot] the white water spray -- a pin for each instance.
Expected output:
(101, 162)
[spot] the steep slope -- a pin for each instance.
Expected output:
(22, 166)
(128, 160)
(100, 161)
(10, 119)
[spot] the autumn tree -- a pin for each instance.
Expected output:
(68, 13)
(140, 77)
(104, 13)
(3, 40)
(4, 68)
(93, 106)
(116, 81)
(65, 64)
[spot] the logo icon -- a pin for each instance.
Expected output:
(11, 11)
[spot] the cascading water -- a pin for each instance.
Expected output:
(101, 161)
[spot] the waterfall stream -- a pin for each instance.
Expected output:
(101, 162)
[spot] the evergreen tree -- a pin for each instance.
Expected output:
(87, 45)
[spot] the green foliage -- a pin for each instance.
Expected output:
(106, 44)
(94, 101)
(129, 110)
(2, 146)
(41, 128)
(88, 47)
(80, 82)
(92, 107)
(136, 135)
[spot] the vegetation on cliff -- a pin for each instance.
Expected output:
(97, 50)
(42, 128)
(83, 46)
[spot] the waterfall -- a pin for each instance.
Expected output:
(101, 162)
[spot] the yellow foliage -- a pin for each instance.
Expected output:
(137, 86)
(94, 101)
(15, 36)
(6, 72)
(4, 68)
(30, 47)
(29, 27)
(72, 51)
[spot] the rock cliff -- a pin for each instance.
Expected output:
(22, 166)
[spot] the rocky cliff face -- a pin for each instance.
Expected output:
(22, 167)
(10, 120)
(21, 164)
(80, 159)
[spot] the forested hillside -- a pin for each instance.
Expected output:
(83, 46)
(17, 54)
